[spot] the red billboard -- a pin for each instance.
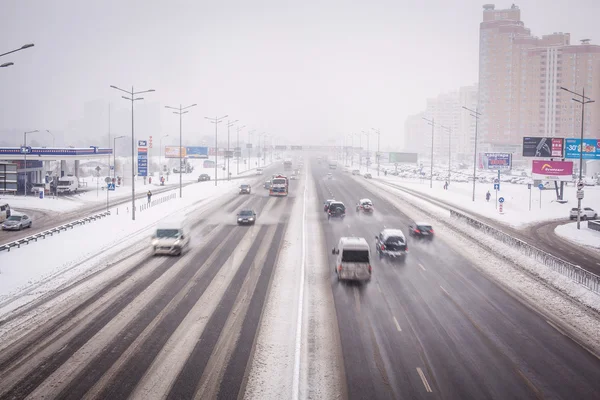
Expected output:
(552, 170)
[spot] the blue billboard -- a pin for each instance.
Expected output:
(495, 161)
(591, 148)
(142, 161)
(196, 152)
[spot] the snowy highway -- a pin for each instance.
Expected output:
(257, 312)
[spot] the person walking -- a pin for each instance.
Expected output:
(149, 196)
(487, 196)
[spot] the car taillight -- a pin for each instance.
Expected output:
(431, 230)
(417, 231)
(382, 247)
(370, 269)
(340, 267)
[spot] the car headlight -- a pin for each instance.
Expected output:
(250, 219)
(239, 219)
(154, 242)
(177, 242)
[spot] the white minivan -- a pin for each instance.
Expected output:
(353, 259)
(171, 238)
(67, 184)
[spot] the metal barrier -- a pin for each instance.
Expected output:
(51, 232)
(158, 201)
(572, 271)
(594, 225)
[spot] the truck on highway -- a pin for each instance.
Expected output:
(279, 186)
(287, 164)
(67, 184)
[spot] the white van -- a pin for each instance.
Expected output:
(170, 237)
(353, 259)
(4, 211)
(67, 184)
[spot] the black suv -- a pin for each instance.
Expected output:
(391, 243)
(246, 217)
(203, 177)
(336, 209)
(421, 230)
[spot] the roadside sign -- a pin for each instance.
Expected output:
(541, 186)
(107, 180)
(501, 199)
(496, 180)
(111, 186)
(142, 143)
(529, 186)
(496, 186)
(112, 167)
(579, 194)
(580, 185)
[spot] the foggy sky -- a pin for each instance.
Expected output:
(306, 71)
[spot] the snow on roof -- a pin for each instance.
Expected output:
(354, 242)
(423, 223)
(392, 232)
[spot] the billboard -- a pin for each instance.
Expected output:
(280, 147)
(543, 147)
(173, 152)
(248, 145)
(196, 152)
(591, 148)
(552, 170)
(403, 158)
(142, 161)
(495, 161)
(296, 147)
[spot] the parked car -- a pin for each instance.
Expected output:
(204, 177)
(4, 211)
(586, 213)
(16, 222)
(67, 184)
(421, 230)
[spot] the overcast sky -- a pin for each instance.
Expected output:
(304, 70)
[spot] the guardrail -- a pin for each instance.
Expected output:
(51, 232)
(594, 225)
(572, 271)
(158, 201)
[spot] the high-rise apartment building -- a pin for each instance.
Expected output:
(520, 76)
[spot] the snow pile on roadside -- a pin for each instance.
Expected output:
(585, 235)
(549, 291)
(50, 262)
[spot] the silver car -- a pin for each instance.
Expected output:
(16, 222)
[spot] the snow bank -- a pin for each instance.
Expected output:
(584, 236)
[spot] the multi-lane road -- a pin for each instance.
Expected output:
(180, 328)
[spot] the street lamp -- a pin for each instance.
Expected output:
(250, 137)
(229, 125)
(25, 158)
(180, 111)
(8, 64)
(475, 115)
(53, 138)
(449, 130)
(161, 150)
(239, 149)
(367, 133)
(132, 98)
(432, 123)
(263, 135)
(583, 101)
(378, 156)
(216, 121)
(115, 155)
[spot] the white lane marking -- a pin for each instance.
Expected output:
(379, 288)
(598, 263)
(445, 291)
(397, 324)
(298, 347)
(557, 328)
(425, 383)
(561, 249)
(422, 267)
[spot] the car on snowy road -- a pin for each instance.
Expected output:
(16, 222)
(246, 217)
(204, 177)
(586, 213)
(421, 230)
(391, 243)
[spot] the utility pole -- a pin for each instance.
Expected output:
(227, 153)
(475, 115)
(583, 101)
(239, 149)
(432, 123)
(180, 111)
(216, 121)
(449, 130)
(378, 156)
(25, 158)
(250, 140)
(132, 98)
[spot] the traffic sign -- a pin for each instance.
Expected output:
(580, 185)
(107, 180)
(529, 186)
(111, 186)
(496, 186)
(540, 186)
(579, 194)
(501, 199)
(496, 180)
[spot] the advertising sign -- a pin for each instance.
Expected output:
(173, 152)
(296, 147)
(248, 145)
(495, 161)
(591, 148)
(142, 161)
(552, 170)
(543, 147)
(142, 143)
(150, 142)
(228, 154)
(403, 158)
(196, 152)
(280, 147)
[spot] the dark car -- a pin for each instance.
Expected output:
(16, 222)
(267, 185)
(327, 203)
(203, 177)
(246, 217)
(245, 189)
(391, 243)
(368, 175)
(421, 230)
(336, 209)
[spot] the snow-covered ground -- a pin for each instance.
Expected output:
(516, 210)
(41, 266)
(584, 236)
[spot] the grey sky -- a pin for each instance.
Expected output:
(304, 70)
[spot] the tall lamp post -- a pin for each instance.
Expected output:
(53, 138)
(8, 64)
(227, 154)
(449, 130)
(432, 123)
(132, 98)
(160, 148)
(180, 111)
(250, 138)
(367, 133)
(583, 100)
(216, 121)
(475, 114)
(378, 156)
(239, 149)
(25, 158)
(115, 155)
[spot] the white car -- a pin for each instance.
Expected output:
(330, 176)
(586, 213)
